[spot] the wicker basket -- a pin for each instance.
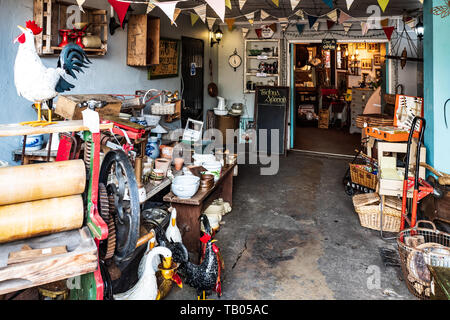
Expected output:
(368, 208)
(362, 177)
(416, 255)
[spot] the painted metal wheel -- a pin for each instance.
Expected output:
(117, 174)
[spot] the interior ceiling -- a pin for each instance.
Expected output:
(313, 7)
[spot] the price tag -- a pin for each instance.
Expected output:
(262, 57)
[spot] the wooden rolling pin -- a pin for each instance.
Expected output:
(41, 181)
(40, 217)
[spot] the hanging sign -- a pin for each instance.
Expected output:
(193, 69)
(329, 44)
(267, 32)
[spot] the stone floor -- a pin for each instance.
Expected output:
(296, 236)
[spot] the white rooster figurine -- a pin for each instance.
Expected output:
(147, 288)
(37, 83)
(172, 231)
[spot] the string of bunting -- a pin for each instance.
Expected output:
(334, 17)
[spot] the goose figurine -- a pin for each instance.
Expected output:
(172, 232)
(156, 260)
(147, 288)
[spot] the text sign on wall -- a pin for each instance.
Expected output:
(329, 44)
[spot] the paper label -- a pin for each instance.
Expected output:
(91, 119)
(47, 251)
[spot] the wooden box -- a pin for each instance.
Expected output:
(143, 40)
(53, 15)
(67, 105)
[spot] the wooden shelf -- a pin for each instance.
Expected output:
(89, 51)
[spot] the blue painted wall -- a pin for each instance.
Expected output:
(436, 86)
(107, 74)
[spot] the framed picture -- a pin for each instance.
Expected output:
(169, 60)
(378, 73)
(373, 47)
(366, 64)
(377, 60)
(361, 46)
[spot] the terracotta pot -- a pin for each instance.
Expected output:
(162, 164)
(178, 163)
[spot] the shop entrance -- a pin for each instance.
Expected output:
(330, 87)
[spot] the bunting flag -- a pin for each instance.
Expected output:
(333, 15)
(330, 24)
(312, 20)
(388, 31)
(150, 7)
(168, 8)
(300, 14)
(329, 3)
(194, 18)
(258, 33)
(250, 17)
(228, 4)
(120, 8)
(364, 28)
(276, 2)
(211, 22)
(273, 27)
(175, 15)
(300, 28)
(316, 26)
(264, 15)
(219, 7)
(343, 17)
(383, 4)
(384, 22)
(294, 4)
(80, 4)
(411, 22)
(242, 3)
(230, 23)
(347, 26)
(244, 32)
(201, 11)
(349, 4)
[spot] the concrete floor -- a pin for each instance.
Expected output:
(296, 236)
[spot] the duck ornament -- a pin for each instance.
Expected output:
(172, 232)
(147, 288)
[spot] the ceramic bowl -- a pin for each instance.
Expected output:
(220, 112)
(184, 187)
(199, 158)
(152, 120)
(214, 168)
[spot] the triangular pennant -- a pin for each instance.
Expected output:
(80, 4)
(347, 26)
(329, 3)
(230, 23)
(211, 22)
(384, 22)
(228, 4)
(168, 8)
(333, 15)
(300, 14)
(343, 17)
(250, 17)
(364, 28)
(273, 26)
(349, 4)
(300, 28)
(264, 15)
(383, 4)
(312, 20)
(120, 8)
(276, 2)
(316, 26)
(411, 23)
(175, 15)
(201, 11)
(258, 33)
(219, 7)
(388, 31)
(294, 4)
(330, 24)
(150, 7)
(244, 32)
(194, 18)
(242, 3)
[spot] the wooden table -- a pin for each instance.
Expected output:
(189, 210)
(31, 156)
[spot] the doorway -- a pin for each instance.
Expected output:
(330, 88)
(192, 70)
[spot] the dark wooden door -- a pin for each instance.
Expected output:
(192, 71)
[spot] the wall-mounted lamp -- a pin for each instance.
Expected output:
(419, 30)
(216, 37)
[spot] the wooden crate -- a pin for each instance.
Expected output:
(51, 15)
(67, 107)
(143, 40)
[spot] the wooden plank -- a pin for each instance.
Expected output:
(28, 254)
(81, 258)
(15, 129)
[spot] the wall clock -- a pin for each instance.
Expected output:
(235, 60)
